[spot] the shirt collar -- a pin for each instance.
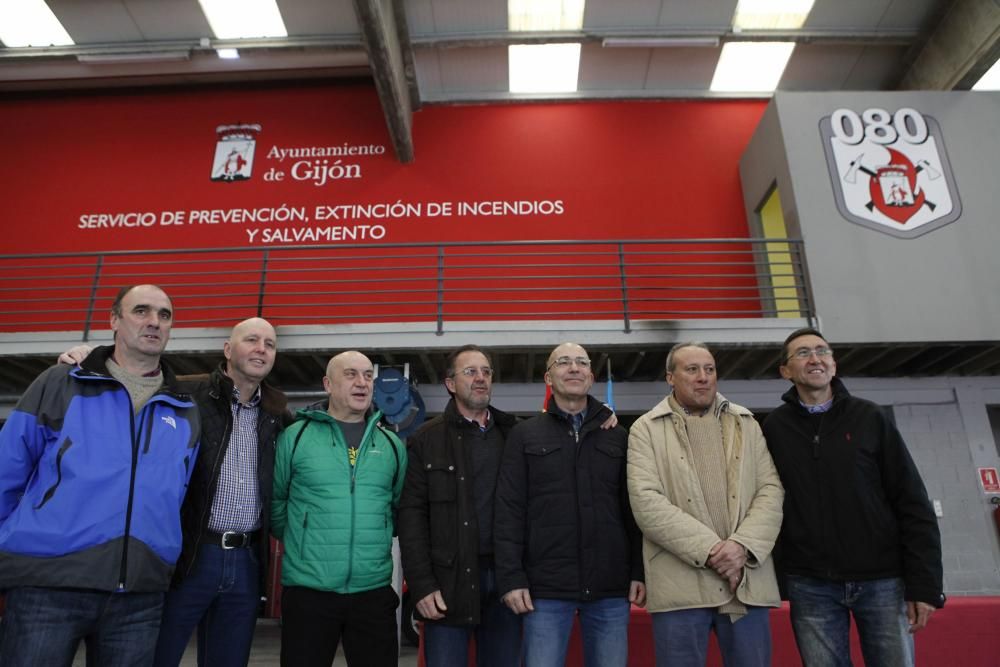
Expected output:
(254, 400)
(818, 408)
(489, 421)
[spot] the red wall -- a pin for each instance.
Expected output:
(619, 170)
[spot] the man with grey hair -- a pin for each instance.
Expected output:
(94, 464)
(707, 498)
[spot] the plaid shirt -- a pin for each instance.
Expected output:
(236, 506)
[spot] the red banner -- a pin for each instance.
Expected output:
(314, 165)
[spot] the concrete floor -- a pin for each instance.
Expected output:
(267, 648)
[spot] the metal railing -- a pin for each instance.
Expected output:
(436, 283)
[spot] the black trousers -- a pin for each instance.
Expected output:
(313, 623)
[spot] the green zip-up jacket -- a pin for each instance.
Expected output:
(336, 522)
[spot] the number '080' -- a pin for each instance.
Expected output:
(879, 126)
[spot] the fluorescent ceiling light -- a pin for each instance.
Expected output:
(990, 80)
(658, 42)
(543, 68)
(238, 19)
(137, 57)
(525, 15)
(751, 67)
(228, 54)
(771, 14)
(30, 23)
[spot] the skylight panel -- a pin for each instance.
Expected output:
(771, 14)
(751, 67)
(30, 23)
(526, 15)
(543, 68)
(241, 19)
(990, 80)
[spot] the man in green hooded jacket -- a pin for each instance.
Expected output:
(337, 480)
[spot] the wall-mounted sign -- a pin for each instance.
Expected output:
(234, 152)
(988, 478)
(312, 164)
(890, 171)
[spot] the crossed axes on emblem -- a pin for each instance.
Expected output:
(855, 166)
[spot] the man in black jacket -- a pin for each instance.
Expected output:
(859, 535)
(221, 571)
(446, 522)
(224, 519)
(566, 541)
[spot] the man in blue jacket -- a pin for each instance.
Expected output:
(94, 464)
(859, 537)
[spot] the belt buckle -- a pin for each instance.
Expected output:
(225, 539)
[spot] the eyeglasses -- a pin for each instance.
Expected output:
(806, 352)
(565, 362)
(471, 371)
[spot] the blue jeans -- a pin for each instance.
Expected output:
(44, 626)
(498, 635)
(821, 611)
(220, 597)
(681, 637)
(603, 626)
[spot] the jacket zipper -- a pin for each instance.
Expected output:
(350, 545)
(131, 490)
(354, 470)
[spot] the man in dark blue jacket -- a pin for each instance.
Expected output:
(566, 541)
(859, 536)
(94, 464)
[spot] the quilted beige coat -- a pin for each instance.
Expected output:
(671, 511)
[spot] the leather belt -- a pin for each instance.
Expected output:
(230, 539)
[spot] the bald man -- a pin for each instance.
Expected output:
(337, 481)
(226, 515)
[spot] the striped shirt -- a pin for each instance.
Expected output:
(236, 506)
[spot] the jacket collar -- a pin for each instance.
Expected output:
(595, 410)
(96, 365)
(839, 392)
(664, 409)
(272, 400)
(499, 417)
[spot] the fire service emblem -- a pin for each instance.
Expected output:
(234, 152)
(890, 172)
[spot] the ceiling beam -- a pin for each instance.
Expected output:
(663, 38)
(380, 32)
(962, 41)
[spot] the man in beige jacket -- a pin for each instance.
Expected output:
(707, 498)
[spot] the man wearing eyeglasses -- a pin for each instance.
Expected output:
(860, 537)
(446, 521)
(708, 500)
(566, 542)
